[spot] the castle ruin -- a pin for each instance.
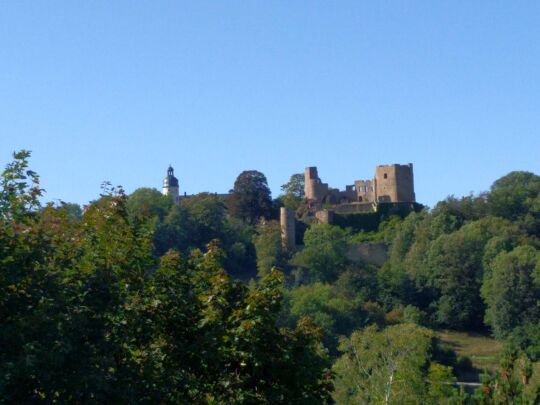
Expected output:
(391, 184)
(392, 187)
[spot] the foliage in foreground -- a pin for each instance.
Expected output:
(393, 365)
(88, 315)
(512, 384)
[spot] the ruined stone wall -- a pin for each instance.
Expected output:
(325, 216)
(314, 188)
(349, 195)
(371, 253)
(354, 208)
(365, 190)
(335, 196)
(318, 193)
(392, 184)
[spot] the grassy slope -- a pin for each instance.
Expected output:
(482, 350)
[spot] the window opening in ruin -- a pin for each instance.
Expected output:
(385, 176)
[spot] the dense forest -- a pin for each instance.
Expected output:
(133, 299)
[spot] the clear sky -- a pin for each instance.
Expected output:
(117, 90)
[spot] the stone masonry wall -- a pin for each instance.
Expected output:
(371, 253)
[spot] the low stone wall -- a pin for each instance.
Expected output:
(369, 252)
(325, 216)
(354, 208)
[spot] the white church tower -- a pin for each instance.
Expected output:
(170, 186)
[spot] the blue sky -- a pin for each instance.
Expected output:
(117, 90)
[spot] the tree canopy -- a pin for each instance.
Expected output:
(324, 254)
(293, 191)
(250, 199)
(393, 365)
(89, 314)
(138, 300)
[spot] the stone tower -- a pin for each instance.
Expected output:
(170, 186)
(394, 183)
(314, 188)
(288, 228)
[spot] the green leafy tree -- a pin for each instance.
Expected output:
(359, 281)
(516, 197)
(440, 385)
(241, 256)
(19, 196)
(510, 291)
(455, 262)
(148, 203)
(514, 383)
(334, 313)
(412, 314)
(428, 230)
(293, 191)
(390, 366)
(73, 211)
(199, 219)
(174, 232)
(206, 214)
(468, 208)
(269, 247)
(527, 338)
(438, 266)
(192, 224)
(89, 316)
(404, 277)
(250, 199)
(325, 252)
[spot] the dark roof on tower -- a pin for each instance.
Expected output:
(170, 180)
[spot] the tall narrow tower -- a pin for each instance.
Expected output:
(288, 228)
(170, 186)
